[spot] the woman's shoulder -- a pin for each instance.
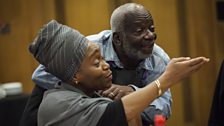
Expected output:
(61, 95)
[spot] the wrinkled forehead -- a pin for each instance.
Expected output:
(137, 15)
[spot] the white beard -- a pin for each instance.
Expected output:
(133, 52)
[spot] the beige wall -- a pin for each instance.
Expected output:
(88, 16)
(25, 18)
(184, 28)
(201, 28)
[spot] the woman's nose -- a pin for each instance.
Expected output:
(106, 66)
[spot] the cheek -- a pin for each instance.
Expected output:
(98, 80)
(133, 41)
(92, 77)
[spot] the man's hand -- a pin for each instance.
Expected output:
(116, 91)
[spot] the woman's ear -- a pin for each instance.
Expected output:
(75, 80)
(116, 38)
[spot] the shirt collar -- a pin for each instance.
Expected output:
(110, 55)
(146, 64)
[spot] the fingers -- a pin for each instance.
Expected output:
(107, 92)
(180, 59)
(196, 67)
(117, 91)
(119, 95)
(111, 92)
(183, 67)
(198, 60)
(114, 93)
(191, 62)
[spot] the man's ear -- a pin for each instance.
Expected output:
(116, 38)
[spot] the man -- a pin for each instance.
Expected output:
(133, 57)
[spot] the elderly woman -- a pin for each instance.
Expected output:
(78, 63)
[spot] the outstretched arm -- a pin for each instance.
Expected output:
(177, 69)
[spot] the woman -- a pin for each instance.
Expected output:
(77, 62)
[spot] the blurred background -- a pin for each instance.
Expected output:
(184, 28)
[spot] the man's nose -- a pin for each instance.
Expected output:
(150, 35)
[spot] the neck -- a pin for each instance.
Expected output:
(88, 92)
(127, 62)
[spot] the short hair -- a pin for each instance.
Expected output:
(118, 15)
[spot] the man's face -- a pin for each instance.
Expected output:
(138, 34)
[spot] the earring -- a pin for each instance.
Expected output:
(76, 82)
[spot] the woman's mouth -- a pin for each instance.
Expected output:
(109, 76)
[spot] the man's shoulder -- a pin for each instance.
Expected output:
(158, 49)
(100, 37)
(160, 53)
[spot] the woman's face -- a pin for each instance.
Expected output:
(94, 73)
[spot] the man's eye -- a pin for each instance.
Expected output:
(139, 30)
(152, 28)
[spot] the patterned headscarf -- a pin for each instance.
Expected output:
(60, 49)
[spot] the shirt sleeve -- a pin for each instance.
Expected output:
(114, 115)
(44, 79)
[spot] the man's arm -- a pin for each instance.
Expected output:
(44, 79)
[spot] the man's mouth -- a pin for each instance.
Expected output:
(147, 46)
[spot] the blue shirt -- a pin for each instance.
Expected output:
(152, 67)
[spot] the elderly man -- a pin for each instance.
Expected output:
(134, 58)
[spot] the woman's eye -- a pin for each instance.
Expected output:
(96, 63)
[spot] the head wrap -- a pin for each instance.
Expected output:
(60, 49)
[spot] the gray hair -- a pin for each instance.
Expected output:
(118, 15)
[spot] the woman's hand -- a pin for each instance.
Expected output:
(177, 69)
(180, 68)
